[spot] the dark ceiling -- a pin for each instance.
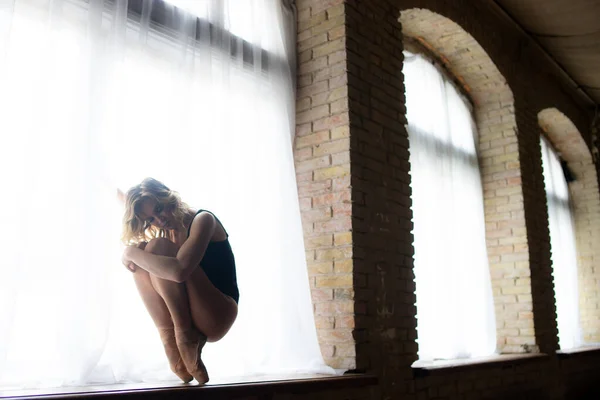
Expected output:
(569, 30)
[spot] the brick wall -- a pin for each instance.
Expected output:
(322, 153)
(538, 235)
(381, 214)
(353, 176)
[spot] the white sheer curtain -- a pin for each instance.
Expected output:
(96, 95)
(455, 314)
(564, 251)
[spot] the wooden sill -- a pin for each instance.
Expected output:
(588, 350)
(425, 368)
(267, 388)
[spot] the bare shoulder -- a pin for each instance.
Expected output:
(205, 220)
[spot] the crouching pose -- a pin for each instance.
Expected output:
(184, 269)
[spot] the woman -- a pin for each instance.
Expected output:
(184, 270)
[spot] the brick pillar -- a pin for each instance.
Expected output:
(381, 216)
(505, 223)
(538, 234)
(322, 154)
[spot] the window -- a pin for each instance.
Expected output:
(455, 316)
(96, 97)
(564, 252)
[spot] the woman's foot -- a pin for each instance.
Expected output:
(167, 336)
(190, 343)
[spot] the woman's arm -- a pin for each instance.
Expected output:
(179, 268)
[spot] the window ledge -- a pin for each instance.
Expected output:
(591, 350)
(426, 368)
(289, 385)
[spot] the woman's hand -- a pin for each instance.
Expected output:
(126, 259)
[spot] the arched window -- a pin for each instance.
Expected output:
(564, 252)
(455, 313)
(98, 95)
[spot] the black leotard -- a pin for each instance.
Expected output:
(219, 265)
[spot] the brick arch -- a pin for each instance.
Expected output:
(564, 135)
(460, 53)
(498, 147)
(569, 143)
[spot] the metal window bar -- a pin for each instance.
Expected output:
(205, 33)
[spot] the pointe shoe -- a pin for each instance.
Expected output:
(190, 343)
(167, 335)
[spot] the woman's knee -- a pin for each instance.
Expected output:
(161, 246)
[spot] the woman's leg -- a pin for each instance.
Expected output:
(190, 340)
(162, 319)
(212, 311)
(196, 303)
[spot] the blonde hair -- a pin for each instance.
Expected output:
(136, 230)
